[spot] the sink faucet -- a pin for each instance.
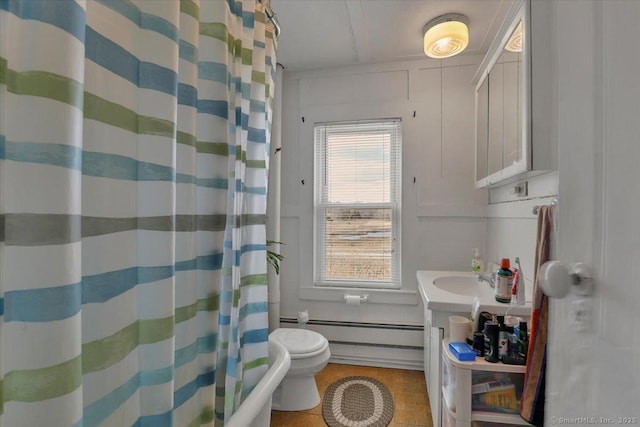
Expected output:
(489, 278)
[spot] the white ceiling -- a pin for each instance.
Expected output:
(330, 33)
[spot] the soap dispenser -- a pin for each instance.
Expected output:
(476, 262)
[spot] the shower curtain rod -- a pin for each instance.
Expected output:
(271, 16)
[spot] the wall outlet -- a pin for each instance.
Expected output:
(520, 189)
(581, 314)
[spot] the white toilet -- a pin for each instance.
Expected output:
(309, 354)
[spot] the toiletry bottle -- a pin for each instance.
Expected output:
(516, 276)
(519, 285)
(478, 343)
(503, 338)
(484, 317)
(513, 343)
(504, 282)
(523, 341)
(476, 262)
(491, 342)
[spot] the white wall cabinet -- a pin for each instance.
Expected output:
(513, 99)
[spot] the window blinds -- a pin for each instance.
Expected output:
(357, 203)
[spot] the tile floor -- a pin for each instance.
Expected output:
(407, 387)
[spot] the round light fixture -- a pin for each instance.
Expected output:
(446, 35)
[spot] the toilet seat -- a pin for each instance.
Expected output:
(301, 343)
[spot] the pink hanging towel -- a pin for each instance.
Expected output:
(532, 399)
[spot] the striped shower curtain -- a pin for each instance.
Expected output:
(133, 156)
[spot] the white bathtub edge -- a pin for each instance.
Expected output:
(257, 405)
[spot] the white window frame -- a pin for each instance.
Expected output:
(394, 204)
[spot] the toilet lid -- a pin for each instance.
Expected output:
(299, 341)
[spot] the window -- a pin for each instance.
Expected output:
(357, 203)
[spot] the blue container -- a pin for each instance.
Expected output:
(462, 351)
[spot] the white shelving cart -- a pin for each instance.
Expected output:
(460, 409)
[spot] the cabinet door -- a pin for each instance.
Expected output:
(516, 112)
(435, 371)
(482, 129)
(427, 348)
(512, 129)
(496, 118)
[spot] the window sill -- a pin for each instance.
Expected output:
(375, 296)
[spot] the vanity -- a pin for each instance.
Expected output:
(444, 294)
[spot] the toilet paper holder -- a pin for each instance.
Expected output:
(360, 298)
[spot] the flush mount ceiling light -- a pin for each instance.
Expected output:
(446, 35)
(514, 44)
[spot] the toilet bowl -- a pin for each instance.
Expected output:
(309, 354)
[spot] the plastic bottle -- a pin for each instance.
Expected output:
(503, 338)
(491, 342)
(476, 262)
(523, 341)
(516, 277)
(519, 284)
(504, 282)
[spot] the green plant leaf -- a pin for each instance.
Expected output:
(273, 257)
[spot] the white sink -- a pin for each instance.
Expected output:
(461, 285)
(452, 292)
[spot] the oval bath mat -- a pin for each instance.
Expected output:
(357, 402)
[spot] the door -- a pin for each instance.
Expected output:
(596, 373)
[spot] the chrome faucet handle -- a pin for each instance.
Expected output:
(489, 278)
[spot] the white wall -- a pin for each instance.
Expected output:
(512, 225)
(443, 215)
